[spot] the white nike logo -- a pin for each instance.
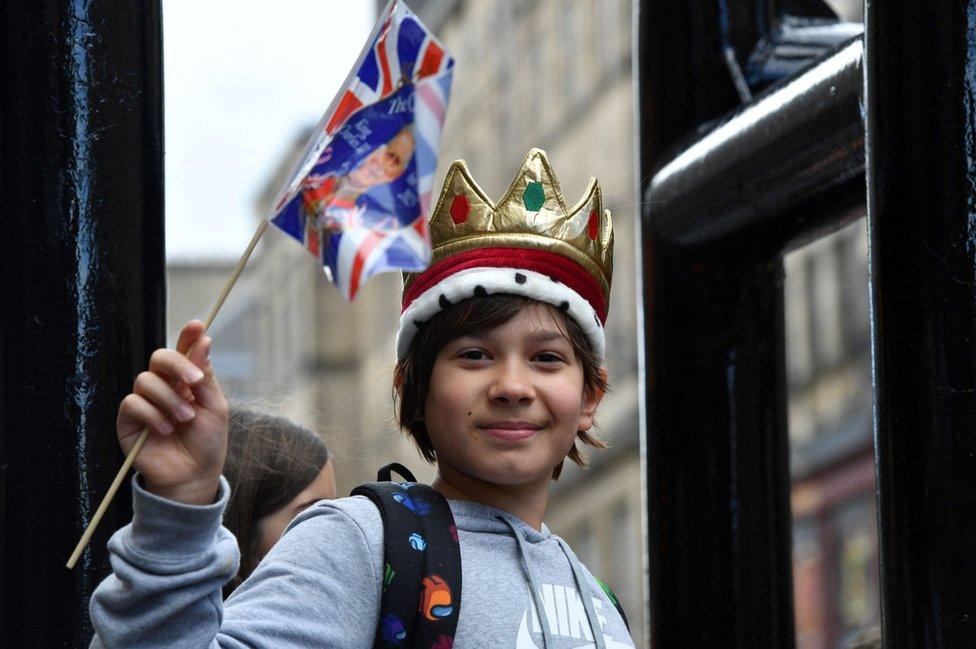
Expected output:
(566, 617)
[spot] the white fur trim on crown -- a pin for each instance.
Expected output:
(490, 281)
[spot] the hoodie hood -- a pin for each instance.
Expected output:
(478, 518)
(475, 517)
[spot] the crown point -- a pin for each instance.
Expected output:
(460, 207)
(531, 215)
(534, 196)
(593, 226)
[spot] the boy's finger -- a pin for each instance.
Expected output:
(184, 391)
(157, 391)
(174, 366)
(200, 353)
(191, 332)
(137, 413)
(206, 392)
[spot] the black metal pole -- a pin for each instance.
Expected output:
(717, 456)
(774, 173)
(715, 447)
(920, 64)
(683, 80)
(717, 217)
(81, 289)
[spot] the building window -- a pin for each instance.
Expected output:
(824, 292)
(573, 52)
(808, 586)
(835, 537)
(857, 575)
(613, 32)
(798, 353)
(852, 258)
(538, 98)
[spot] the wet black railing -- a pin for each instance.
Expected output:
(81, 289)
(921, 165)
(720, 208)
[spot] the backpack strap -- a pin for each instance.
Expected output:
(422, 563)
(612, 596)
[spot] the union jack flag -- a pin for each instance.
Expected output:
(360, 195)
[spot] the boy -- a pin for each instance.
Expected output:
(498, 374)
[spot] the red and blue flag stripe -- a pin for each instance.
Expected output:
(361, 195)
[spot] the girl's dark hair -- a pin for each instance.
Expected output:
(270, 460)
(411, 377)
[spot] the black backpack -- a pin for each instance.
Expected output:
(421, 563)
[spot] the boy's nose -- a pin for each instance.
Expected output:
(510, 386)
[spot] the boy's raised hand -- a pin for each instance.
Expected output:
(179, 400)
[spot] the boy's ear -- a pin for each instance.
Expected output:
(592, 399)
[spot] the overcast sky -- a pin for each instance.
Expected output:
(242, 80)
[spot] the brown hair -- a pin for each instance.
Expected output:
(411, 377)
(270, 460)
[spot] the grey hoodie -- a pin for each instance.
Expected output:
(320, 586)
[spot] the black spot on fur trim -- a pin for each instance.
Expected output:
(564, 306)
(597, 319)
(443, 301)
(519, 278)
(419, 324)
(480, 291)
(553, 279)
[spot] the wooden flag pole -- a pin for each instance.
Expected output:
(144, 435)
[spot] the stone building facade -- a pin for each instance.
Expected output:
(556, 74)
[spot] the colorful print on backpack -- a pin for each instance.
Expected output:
(422, 564)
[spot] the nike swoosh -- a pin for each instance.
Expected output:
(524, 640)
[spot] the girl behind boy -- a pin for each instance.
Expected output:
(498, 376)
(276, 469)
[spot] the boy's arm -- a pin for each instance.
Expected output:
(171, 561)
(319, 586)
(168, 566)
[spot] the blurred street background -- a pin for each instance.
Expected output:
(242, 97)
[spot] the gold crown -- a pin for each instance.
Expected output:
(531, 214)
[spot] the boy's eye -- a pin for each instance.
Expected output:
(548, 357)
(473, 355)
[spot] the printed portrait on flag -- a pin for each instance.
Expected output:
(360, 194)
(365, 177)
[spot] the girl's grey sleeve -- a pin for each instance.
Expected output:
(319, 586)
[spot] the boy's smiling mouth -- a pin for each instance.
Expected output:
(510, 431)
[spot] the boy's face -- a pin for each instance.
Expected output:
(504, 406)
